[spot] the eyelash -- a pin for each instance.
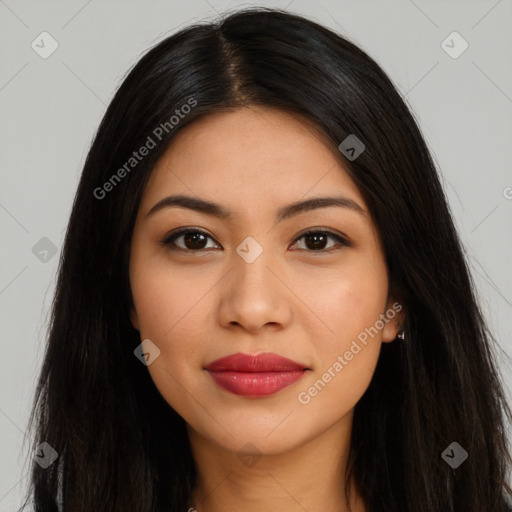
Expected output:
(169, 240)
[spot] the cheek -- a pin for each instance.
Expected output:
(160, 294)
(355, 306)
(169, 312)
(352, 314)
(166, 307)
(351, 306)
(344, 367)
(155, 303)
(350, 300)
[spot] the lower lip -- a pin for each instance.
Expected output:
(256, 384)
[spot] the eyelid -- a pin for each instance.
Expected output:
(320, 229)
(167, 240)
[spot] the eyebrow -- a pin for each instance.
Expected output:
(216, 210)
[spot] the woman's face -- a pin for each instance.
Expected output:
(249, 281)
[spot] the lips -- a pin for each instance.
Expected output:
(255, 375)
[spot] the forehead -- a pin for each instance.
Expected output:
(250, 157)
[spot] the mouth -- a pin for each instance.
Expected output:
(255, 375)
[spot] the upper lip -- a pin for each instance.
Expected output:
(267, 362)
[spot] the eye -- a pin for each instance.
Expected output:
(316, 241)
(187, 239)
(195, 240)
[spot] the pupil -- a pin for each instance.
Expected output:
(196, 240)
(315, 244)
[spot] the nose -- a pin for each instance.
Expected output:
(254, 295)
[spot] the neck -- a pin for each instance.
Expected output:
(309, 477)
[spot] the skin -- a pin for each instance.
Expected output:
(304, 304)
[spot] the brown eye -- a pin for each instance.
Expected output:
(316, 241)
(188, 240)
(192, 240)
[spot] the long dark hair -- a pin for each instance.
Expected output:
(120, 446)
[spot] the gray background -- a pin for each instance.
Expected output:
(50, 108)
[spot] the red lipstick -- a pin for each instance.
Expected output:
(255, 375)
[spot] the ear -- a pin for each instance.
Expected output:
(393, 318)
(134, 319)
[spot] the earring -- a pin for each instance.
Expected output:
(401, 333)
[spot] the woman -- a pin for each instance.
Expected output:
(262, 300)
